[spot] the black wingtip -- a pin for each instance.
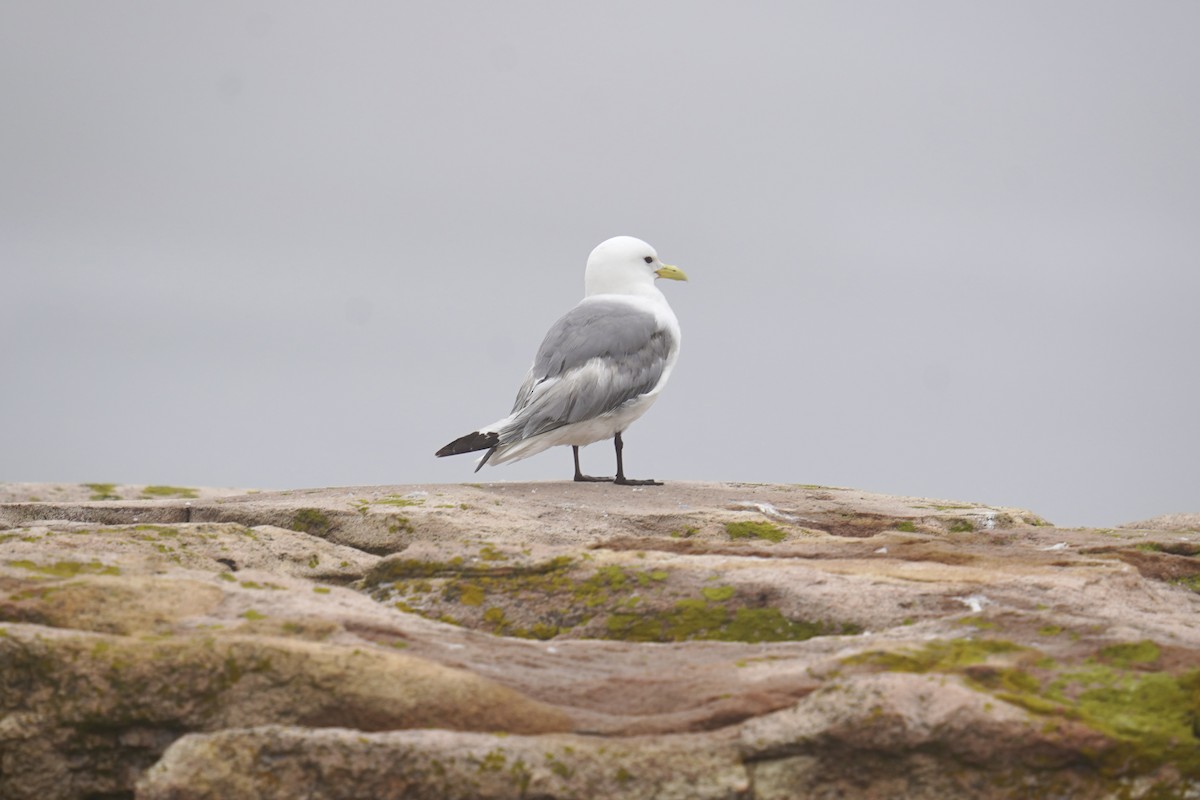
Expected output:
(470, 443)
(484, 460)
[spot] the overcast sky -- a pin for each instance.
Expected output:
(943, 249)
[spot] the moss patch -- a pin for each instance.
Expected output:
(1191, 582)
(1131, 654)
(755, 530)
(169, 491)
(940, 656)
(398, 500)
(560, 597)
(1151, 719)
(691, 620)
(103, 491)
(718, 594)
(313, 521)
(67, 569)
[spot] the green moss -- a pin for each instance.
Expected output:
(1128, 654)
(391, 570)
(496, 618)
(962, 526)
(321, 589)
(227, 576)
(906, 527)
(493, 761)
(982, 623)
(1191, 582)
(1152, 716)
(66, 569)
(642, 578)
(520, 773)
(103, 491)
(256, 585)
(313, 521)
(1149, 718)
(398, 500)
(1019, 693)
(403, 569)
(158, 530)
(541, 631)
(939, 656)
(685, 533)
(1004, 680)
(169, 491)
(252, 615)
(691, 620)
(489, 553)
(1050, 630)
(755, 530)
(470, 594)
(635, 605)
(612, 576)
(557, 767)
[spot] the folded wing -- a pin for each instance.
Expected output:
(599, 356)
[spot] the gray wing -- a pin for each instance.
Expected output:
(598, 356)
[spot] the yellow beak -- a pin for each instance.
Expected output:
(671, 273)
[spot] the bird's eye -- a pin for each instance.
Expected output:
(649, 259)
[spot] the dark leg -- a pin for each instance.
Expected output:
(621, 480)
(579, 476)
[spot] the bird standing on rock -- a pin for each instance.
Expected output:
(600, 367)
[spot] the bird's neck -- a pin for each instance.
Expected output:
(649, 291)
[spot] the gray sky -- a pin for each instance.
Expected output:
(936, 248)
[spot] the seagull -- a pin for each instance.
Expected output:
(600, 367)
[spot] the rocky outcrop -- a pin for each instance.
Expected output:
(557, 640)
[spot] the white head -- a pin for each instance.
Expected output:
(625, 265)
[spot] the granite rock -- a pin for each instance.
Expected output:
(563, 640)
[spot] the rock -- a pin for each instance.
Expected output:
(1183, 523)
(438, 765)
(570, 640)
